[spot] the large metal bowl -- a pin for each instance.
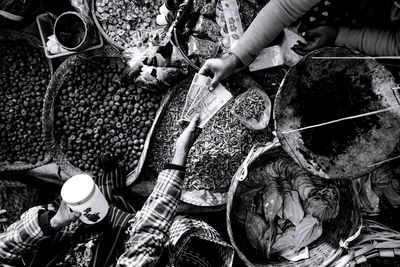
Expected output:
(333, 84)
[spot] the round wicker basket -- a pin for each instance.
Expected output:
(337, 113)
(49, 105)
(9, 35)
(101, 30)
(323, 249)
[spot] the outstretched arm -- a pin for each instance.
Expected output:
(272, 19)
(34, 226)
(374, 42)
(149, 229)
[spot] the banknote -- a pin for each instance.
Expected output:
(208, 103)
(199, 83)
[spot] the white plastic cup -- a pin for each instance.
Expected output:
(82, 195)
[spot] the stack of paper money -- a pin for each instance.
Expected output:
(200, 100)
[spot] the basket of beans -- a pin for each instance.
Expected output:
(25, 74)
(89, 111)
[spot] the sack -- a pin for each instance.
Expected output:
(253, 109)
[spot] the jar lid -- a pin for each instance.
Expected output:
(77, 188)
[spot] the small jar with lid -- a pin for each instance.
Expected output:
(82, 195)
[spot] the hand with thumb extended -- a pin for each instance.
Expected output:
(64, 216)
(316, 38)
(219, 68)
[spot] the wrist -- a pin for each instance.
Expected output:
(233, 61)
(44, 222)
(180, 157)
(54, 223)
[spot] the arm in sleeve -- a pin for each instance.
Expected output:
(21, 236)
(272, 19)
(375, 42)
(149, 229)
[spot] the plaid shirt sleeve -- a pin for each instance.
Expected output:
(149, 229)
(21, 236)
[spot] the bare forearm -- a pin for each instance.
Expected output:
(271, 20)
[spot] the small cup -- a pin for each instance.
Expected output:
(82, 195)
(74, 31)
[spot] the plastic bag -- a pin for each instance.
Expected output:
(253, 109)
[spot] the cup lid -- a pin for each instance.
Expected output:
(77, 188)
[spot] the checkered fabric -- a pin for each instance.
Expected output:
(193, 242)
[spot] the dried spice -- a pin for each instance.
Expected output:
(23, 81)
(307, 231)
(324, 205)
(217, 153)
(251, 107)
(95, 113)
(130, 23)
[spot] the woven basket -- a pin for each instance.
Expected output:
(323, 249)
(48, 113)
(9, 35)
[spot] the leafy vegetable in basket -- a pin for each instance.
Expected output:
(319, 199)
(256, 231)
(324, 205)
(294, 207)
(307, 231)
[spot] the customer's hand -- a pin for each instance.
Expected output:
(220, 68)
(185, 142)
(64, 216)
(316, 38)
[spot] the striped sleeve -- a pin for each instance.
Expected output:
(21, 236)
(149, 228)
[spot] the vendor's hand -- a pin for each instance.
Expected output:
(220, 68)
(64, 216)
(185, 141)
(316, 38)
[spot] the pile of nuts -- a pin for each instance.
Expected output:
(24, 77)
(129, 23)
(96, 114)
